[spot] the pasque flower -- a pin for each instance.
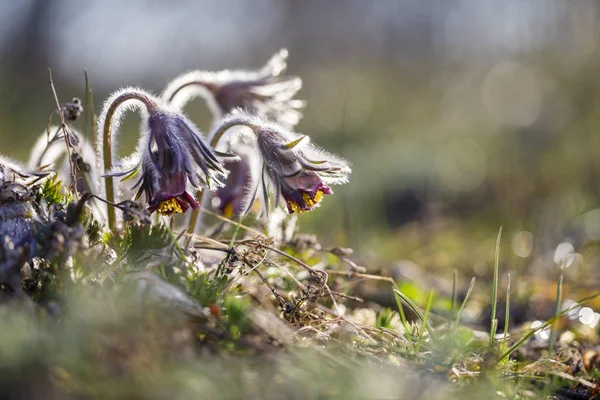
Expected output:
(266, 92)
(293, 169)
(171, 156)
(232, 196)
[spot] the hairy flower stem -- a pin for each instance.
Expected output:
(151, 106)
(206, 85)
(213, 143)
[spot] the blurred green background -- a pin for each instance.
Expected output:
(458, 116)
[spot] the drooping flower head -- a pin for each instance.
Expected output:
(171, 156)
(266, 92)
(295, 170)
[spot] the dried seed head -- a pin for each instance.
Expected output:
(80, 163)
(72, 110)
(302, 242)
(342, 251)
(134, 212)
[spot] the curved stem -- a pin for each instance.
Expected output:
(228, 125)
(208, 86)
(107, 144)
(213, 143)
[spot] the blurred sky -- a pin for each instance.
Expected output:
(145, 41)
(447, 109)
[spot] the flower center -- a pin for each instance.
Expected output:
(310, 202)
(228, 210)
(169, 207)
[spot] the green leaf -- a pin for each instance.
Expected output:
(130, 175)
(292, 144)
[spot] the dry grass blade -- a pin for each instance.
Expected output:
(232, 222)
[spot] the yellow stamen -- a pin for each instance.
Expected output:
(308, 200)
(318, 197)
(295, 207)
(228, 210)
(169, 207)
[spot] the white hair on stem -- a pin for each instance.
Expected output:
(129, 98)
(132, 104)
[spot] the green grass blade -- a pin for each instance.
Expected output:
(453, 301)
(553, 331)
(424, 322)
(464, 303)
(531, 332)
(89, 112)
(493, 328)
(236, 232)
(407, 330)
(495, 290)
(86, 114)
(507, 314)
(416, 310)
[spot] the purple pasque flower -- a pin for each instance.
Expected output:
(266, 92)
(232, 197)
(303, 192)
(299, 170)
(296, 171)
(171, 159)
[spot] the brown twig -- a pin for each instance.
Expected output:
(63, 125)
(365, 276)
(280, 299)
(230, 221)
